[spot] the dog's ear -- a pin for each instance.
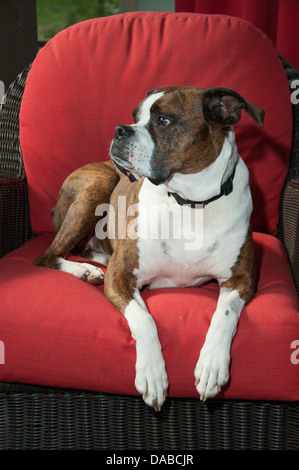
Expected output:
(224, 106)
(155, 90)
(165, 89)
(151, 91)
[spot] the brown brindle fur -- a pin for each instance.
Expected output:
(74, 216)
(74, 220)
(243, 277)
(207, 138)
(120, 281)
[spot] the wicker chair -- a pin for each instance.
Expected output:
(35, 417)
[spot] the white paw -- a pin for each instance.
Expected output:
(151, 378)
(85, 271)
(93, 274)
(211, 371)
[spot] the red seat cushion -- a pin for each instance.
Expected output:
(90, 77)
(61, 331)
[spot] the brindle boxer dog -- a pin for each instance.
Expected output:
(180, 153)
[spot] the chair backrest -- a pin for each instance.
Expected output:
(90, 77)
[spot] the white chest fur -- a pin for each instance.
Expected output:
(181, 247)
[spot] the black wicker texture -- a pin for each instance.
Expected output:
(288, 230)
(289, 226)
(292, 75)
(14, 215)
(11, 163)
(15, 228)
(90, 421)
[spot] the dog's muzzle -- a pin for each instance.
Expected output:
(131, 156)
(119, 149)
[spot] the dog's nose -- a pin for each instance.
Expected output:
(123, 131)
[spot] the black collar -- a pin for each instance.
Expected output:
(225, 190)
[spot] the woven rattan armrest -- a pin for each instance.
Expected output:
(15, 226)
(289, 210)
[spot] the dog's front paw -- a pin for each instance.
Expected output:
(211, 371)
(151, 378)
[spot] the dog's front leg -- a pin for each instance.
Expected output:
(151, 380)
(212, 369)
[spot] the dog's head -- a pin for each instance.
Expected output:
(177, 129)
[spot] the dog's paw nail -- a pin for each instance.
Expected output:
(156, 406)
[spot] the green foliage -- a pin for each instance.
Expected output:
(55, 15)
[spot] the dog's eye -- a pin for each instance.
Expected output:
(162, 121)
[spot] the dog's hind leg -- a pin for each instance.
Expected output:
(75, 218)
(75, 227)
(93, 250)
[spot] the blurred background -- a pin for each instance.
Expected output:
(55, 15)
(26, 25)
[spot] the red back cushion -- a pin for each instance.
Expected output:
(90, 77)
